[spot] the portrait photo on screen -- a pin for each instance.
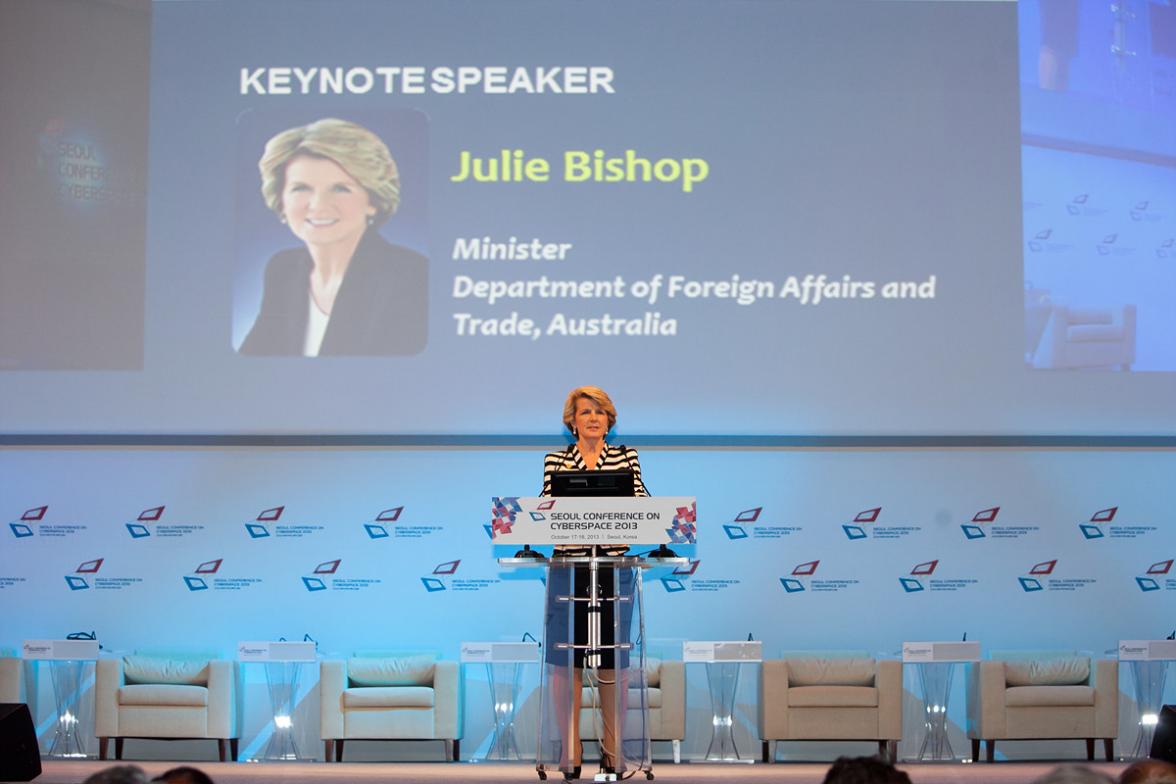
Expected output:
(331, 235)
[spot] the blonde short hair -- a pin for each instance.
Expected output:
(355, 149)
(597, 396)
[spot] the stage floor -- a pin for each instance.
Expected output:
(71, 772)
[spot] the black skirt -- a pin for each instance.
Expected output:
(556, 624)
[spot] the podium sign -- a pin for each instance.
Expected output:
(587, 521)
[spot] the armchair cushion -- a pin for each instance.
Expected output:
(833, 697)
(1064, 671)
(1040, 696)
(156, 669)
(831, 672)
(389, 697)
(163, 694)
(391, 671)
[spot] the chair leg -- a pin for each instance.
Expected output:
(765, 753)
(677, 750)
(339, 750)
(989, 750)
(328, 750)
(975, 749)
(1090, 749)
(102, 745)
(457, 749)
(234, 748)
(1109, 748)
(118, 747)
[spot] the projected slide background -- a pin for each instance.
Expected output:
(865, 153)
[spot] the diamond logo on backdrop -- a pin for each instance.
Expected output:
(1147, 584)
(806, 569)
(90, 567)
(1045, 567)
(791, 586)
(138, 531)
(270, 515)
(1090, 531)
(151, 515)
(449, 567)
(688, 571)
(195, 583)
(1160, 567)
(314, 584)
(1104, 515)
(328, 567)
(1044, 234)
(537, 517)
(76, 583)
(20, 531)
(1029, 585)
(986, 515)
(909, 585)
(210, 567)
(432, 584)
(924, 569)
(749, 515)
(257, 531)
(672, 585)
(854, 531)
(734, 532)
(389, 515)
(973, 532)
(546, 506)
(868, 516)
(36, 514)
(376, 531)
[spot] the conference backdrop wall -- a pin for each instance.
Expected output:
(800, 548)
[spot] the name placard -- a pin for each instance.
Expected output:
(585, 521)
(1147, 650)
(274, 651)
(711, 651)
(499, 652)
(916, 652)
(60, 650)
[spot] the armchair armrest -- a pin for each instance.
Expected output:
(108, 679)
(222, 699)
(986, 700)
(1105, 677)
(332, 682)
(447, 698)
(889, 684)
(673, 710)
(773, 700)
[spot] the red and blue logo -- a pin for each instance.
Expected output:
(22, 529)
(76, 583)
(258, 530)
(504, 513)
(1031, 584)
(376, 529)
(195, 582)
(973, 530)
(314, 584)
(806, 569)
(1149, 583)
(435, 584)
(912, 584)
(139, 531)
(748, 516)
(1092, 530)
(855, 530)
(683, 529)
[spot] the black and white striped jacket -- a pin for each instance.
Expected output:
(612, 458)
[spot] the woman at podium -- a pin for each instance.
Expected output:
(589, 414)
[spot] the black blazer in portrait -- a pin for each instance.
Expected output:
(382, 307)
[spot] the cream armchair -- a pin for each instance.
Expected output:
(11, 675)
(1043, 695)
(390, 695)
(1087, 338)
(665, 682)
(843, 696)
(165, 695)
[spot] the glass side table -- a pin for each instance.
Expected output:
(724, 661)
(283, 672)
(936, 663)
(68, 661)
(504, 663)
(1149, 661)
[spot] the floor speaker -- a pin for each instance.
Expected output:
(1164, 741)
(20, 759)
